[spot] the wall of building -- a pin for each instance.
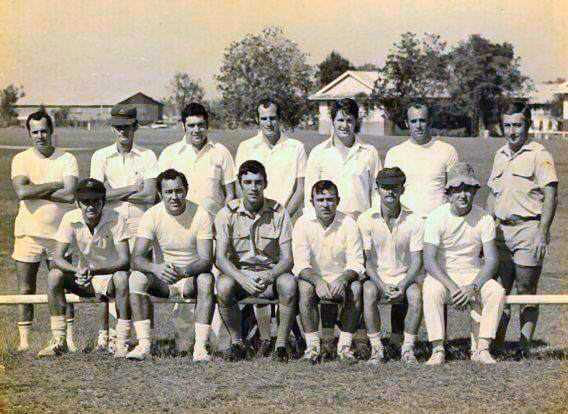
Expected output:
(375, 123)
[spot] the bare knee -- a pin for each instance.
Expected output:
(120, 281)
(307, 292)
(355, 291)
(205, 284)
(414, 297)
(370, 292)
(138, 283)
(55, 279)
(287, 288)
(225, 290)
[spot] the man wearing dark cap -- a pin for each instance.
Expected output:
(393, 238)
(454, 235)
(129, 173)
(100, 237)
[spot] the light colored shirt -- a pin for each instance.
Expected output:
(459, 239)
(121, 170)
(354, 176)
(426, 167)
(37, 217)
(392, 249)
(97, 248)
(284, 162)
(330, 251)
(518, 180)
(206, 170)
(176, 236)
(254, 240)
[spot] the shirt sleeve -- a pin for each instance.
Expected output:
(545, 170)
(65, 231)
(240, 157)
(71, 167)
(390, 160)
(487, 229)
(312, 176)
(286, 228)
(228, 167)
(146, 226)
(19, 166)
(433, 229)
(365, 229)
(150, 165)
(301, 161)
(204, 223)
(417, 235)
(452, 158)
(300, 247)
(495, 171)
(354, 248)
(120, 230)
(222, 224)
(98, 167)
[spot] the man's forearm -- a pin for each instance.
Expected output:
(111, 267)
(141, 197)
(64, 265)
(442, 277)
(120, 193)
(549, 207)
(283, 266)
(36, 191)
(308, 275)
(197, 267)
(61, 196)
(144, 265)
(414, 270)
(295, 200)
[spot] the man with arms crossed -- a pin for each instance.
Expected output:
(184, 233)
(393, 239)
(425, 161)
(523, 198)
(45, 179)
(285, 161)
(100, 237)
(128, 172)
(454, 235)
(254, 254)
(328, 261)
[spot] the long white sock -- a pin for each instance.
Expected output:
(409, 341)
(313, 340)
(58, 328)
(375, 340)
(123, 327)
(483, 344)
(24, 329)
(143, 332)
(201, 335)
(263, 319)
(345, 339)
(70, 325)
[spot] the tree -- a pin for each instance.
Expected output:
(8, 98)
(483, 77)
(332, 66)
(61, 116)
(266, 63)
(185, 90)
(415, 69)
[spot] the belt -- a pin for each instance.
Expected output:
(517, 220)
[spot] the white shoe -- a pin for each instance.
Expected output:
(483, 357)
(71, 347)
(139, 353)
(377, 356)
(56, 346)
(345, 355)
(121, 349)
(102, 342)
(312, 354)
(437, 358)
(111, 347)
(407, 356)
(23, 348)
(201, 355)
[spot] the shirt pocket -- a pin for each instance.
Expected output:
(268, 240)
(241, 240)
(524, 170)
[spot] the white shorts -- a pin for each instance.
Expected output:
(31, 249)
(177, 288)
(392, 280)
(100, 285)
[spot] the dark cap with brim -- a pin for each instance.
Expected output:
(462, 174)
(121, 115)
(90, 189)
(391, 177)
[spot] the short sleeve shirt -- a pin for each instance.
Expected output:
(426, 167)
(98, 248)
(518, 180)
(459, 239)
(36, 217)
(392, 249)
(327, 251)
(176, 236)
(354, 176)
(206, 170)
(254, 240)
(285, 162)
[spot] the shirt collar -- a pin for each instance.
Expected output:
(267, 206)
(377, 213)
(261, 139)
(105, 218)
(529, 145)
(185, 144)
(135, 150)
(336, 219)
(357, 144)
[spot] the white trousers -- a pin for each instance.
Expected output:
(486, 311)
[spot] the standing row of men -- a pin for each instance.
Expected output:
(341, 170)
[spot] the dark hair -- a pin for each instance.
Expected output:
(323, 185)
(38, 116)
(194, 109)
(171, 174)
(348, 106)
(391, 176)
(417, 105)
(268, 100)
(519, 108)
(252, 166)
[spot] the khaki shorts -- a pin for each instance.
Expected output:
(179, 287)
(517, 242)
(100, 285)
(31, 249)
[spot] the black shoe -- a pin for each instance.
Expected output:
(328, 352)
(280, 354)
(361, 350)
(236, 352)
(265, 348)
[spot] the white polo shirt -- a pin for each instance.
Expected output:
(120, 170)
(328, 251)
(285, 162)
(354, 177)
(392, 249)
(176, 236)
(206, 170)
(459, 240)
(37, 217)
(425, 167)
(98, 248)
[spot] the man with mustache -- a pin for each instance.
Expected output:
(523, 199)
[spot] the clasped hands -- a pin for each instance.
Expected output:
(334, 290)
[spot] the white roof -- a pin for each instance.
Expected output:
(544, 92)
(348, 85)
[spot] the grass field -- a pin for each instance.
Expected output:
(92, 383)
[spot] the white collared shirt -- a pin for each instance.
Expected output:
(354, 177)
(392, 249)
(425, 167)
(97, 248)
(120, 170)
(285, 162)
(328, 251)
(206, 170)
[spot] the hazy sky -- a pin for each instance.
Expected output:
(106, 50)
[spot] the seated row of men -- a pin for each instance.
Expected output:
(327, 256)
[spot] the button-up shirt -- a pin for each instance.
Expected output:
(121, 170)
(354, 176)
(330, 251)
(392, 249)
(254, 239)
(285, 162)
(206, 170)
(518, 180)
(97, 248)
